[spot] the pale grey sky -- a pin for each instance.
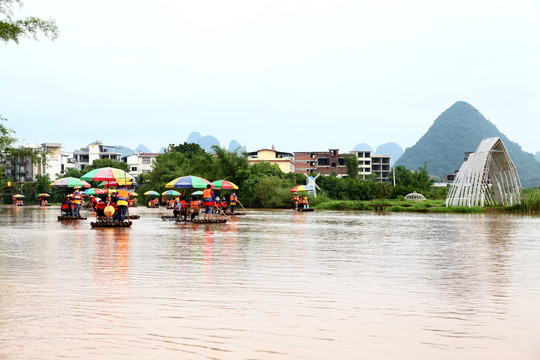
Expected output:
(303, 75)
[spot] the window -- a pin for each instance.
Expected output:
(146, 161)
(341, 161)
(133, 168)
(323, 162)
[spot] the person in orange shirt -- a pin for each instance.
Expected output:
(122, 202)
(296, 200)
(77, 199)
(208, 198)
(233, 199)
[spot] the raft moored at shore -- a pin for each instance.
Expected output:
(70, 217)
(134, 217)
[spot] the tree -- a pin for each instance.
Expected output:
(14, 29)
(6, 140)
(351, 162)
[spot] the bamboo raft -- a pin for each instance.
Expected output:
(66, 217)
(196, 221)
(303, 210)
(236, 213)
(111, 224)
(134, 217)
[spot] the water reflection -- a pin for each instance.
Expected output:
(270, 285)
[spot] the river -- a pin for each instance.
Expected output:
(274, 284)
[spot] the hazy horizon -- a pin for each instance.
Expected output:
(304, 75)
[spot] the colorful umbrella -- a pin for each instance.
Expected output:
(191, 182)
(151, 193)
(198, 192)
(224, 184)
(302, 188)
(43, 195)
(114, 183)
(18, 196)
(94, 191)
(69, 182)
(132, 193)
(170, 193)
(107, 174)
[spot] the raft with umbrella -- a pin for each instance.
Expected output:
(152, 193)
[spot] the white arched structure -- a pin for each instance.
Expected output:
(487, 177)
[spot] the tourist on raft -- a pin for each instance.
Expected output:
(77, 199)
(233, 199)
(65, 208)
(193, 208)
(224, 204)
(296, 200)
(208, 198)
(181, 208)
(305, 202)
(122, 201)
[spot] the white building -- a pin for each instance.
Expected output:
(140, 163)
(22, 170)
(86, 156)
(369, 163)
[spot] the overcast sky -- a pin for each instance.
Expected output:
(300, 75)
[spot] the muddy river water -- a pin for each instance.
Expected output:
(274, 284)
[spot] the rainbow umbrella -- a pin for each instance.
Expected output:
(224, 184)
(69, 182)
(170, 193)
(107, 174)
(94, 191)
(151, 193)
(114, 183)
(191, 182)
(302, 188)
(133, 193)
(195, 193)
(43, 195)
(18, 196)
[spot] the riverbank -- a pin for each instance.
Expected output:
(427, 206)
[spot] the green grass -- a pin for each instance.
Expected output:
(427, 206)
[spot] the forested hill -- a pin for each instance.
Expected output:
(457, 130)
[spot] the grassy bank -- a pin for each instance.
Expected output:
(428, 206)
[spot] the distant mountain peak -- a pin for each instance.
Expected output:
(143, 149)
(457, 130)
(362, 146)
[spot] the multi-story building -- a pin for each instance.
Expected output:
(380, 166)
(140, 163)
(284, 160)
(329, 162)
(51, 161)
(333, 163)
(86, 156)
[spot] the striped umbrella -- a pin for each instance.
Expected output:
(107, 174)
(170, 193)
(151, 193)
(94, 191)
(301, 188)
(70, 182)
(224, 184)
(190, 182)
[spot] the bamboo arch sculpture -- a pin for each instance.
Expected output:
(487, 177)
